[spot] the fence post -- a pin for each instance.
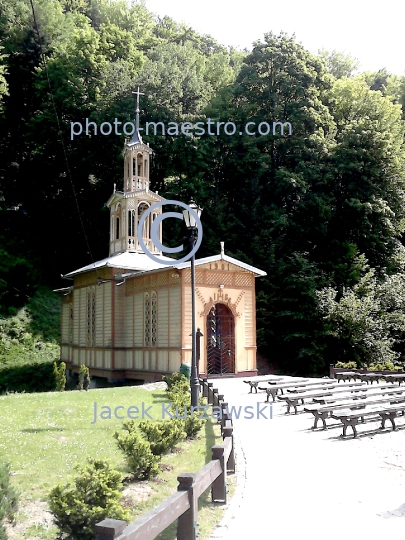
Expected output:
(210, 393)
(332, 371)
(224, 415)
(187, 525)
(220, 398)
(228, 432)
(205, 387)
(109, 529)
(215, 400)
(219, 487)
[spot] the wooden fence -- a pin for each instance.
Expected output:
(333, 371)
(183, 505)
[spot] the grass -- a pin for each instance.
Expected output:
(45, 435)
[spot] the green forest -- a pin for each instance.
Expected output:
(322, 210)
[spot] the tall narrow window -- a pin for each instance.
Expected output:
(117, 228)
(71, 323)
(146, 314)
(153, 310)
(131, 223)
(139, 160)
(91, 316)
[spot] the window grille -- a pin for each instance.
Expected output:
(146, 320)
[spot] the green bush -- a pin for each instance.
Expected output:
(84, 378)
(346, 365)
(141, 461)
(386, 366)
(176, 379)
(178, 393)
(35, 377)
(94, 496)
(177, 396)
(193, 425)
(162, 435)
(60, 376)
(8, 498)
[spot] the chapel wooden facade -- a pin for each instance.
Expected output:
(129, 317)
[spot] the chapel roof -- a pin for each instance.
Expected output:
(139, 262)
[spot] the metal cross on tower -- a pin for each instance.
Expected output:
(138, 93)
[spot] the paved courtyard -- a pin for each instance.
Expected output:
(304, 484)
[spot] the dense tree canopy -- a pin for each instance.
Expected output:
(320, 208)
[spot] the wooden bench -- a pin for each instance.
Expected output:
(254, 384)
(356, 402)
(363, 390)
(370, 377)
(394, 377)
(350, 418)
(293, 399)
(346, 376)
(272, 390)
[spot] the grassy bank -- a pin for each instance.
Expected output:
(45, 435)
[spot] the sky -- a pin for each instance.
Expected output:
(369, 30)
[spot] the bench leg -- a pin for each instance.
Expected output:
(271, 392)
(292, 403)
(320, 416)
(388, 416)
(352, 422)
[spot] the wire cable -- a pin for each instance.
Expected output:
(60, 131)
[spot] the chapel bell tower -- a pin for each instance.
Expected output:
(127, 207)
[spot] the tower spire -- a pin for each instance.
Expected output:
(137, 111)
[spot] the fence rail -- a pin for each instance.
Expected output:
(183, 505)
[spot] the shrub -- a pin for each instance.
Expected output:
(386, 366)
(346, 365)
(176, 379)
(94, 496)
(35, 377)
(8, 498)
(182, 400)
(60, 376)
(141, 461)
(84, 378)
(177, 396)
(163, 435)
(193, 425)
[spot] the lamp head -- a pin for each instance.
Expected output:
(190, 220)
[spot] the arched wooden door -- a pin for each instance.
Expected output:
(220, 340)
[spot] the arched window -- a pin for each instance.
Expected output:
(145, 168)
(131, 223)
(139, 163)
(142, 207)
(71, 323)
(91, 316)
(146, 318)
(153, 309)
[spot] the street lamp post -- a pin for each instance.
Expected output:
(193, 235)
